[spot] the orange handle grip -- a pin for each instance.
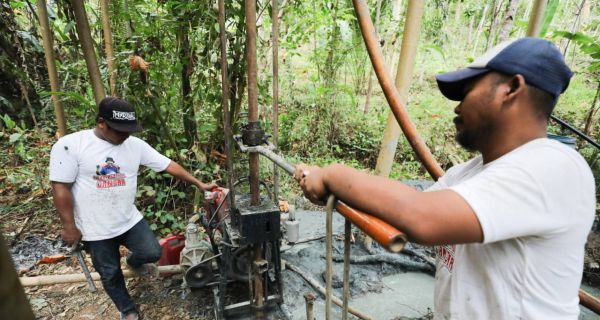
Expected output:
(383, 233)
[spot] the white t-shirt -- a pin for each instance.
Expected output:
(536, 206)
(104, 178)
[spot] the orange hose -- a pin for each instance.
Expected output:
(391, 93)
(383, 233)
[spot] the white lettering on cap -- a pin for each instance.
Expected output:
(123, 115)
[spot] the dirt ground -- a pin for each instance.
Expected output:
(166, 299)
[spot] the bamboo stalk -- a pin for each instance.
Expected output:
(80, 277)
(87, 46)
(51, 65)
(108, 48)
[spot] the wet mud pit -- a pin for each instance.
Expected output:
(166, 299)
(400, 288)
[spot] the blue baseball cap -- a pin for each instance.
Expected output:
(539, 61)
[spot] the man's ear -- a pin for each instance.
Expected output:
(101, 123)
(516, 84)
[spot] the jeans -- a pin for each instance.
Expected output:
(107, 261)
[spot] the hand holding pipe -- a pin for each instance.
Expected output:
(383, 233)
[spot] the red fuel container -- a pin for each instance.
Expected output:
(171, 248)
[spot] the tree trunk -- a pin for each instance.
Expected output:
(410, 39)
(52, 73)
(509, 19)
(187, 68)
(108, 48)
(480, 27)
(471, 24)
(585, 13)
(87, 45)
(575, 27)
(403, 76)
(128, 28)
(493, 24)
(593, 109)
(227, 135)
(370, 83)
(536, 18)
(458, 13)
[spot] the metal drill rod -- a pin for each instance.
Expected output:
(385, 234)
(346, 289)
(76, 250)
(267, 151)
(329, 257)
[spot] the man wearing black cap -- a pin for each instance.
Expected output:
(510, 225)
(94, 183)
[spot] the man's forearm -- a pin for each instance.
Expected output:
(63, 201)
(377, 196)
(180, 173)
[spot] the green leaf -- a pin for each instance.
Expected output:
(548, 16)
(436, 50)
(68, 27)
(8, 122)
(153, 227)
(14, 137)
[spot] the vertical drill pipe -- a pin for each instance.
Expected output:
(346, 290)
(250, 7)
(275, 124)
(258, 283)
(391, 93)
(309, 297)
(329, 256)
(227, 137)
(383, 233)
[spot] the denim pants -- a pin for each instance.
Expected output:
(107, 261)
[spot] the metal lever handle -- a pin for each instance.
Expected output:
(382, 232)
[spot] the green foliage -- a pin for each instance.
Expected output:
(548, 16)
(17, 138)
(589, 45)
(323, 76)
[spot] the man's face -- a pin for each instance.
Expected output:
(474, 119)
(111, 135)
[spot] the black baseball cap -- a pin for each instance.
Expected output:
(119, 115)
(539, 61)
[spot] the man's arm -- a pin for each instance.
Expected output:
(180, 173)
(63, 201)
(439, 217)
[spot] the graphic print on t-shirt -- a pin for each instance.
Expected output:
(108, 175)
(446, 254)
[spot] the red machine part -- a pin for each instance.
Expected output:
(214, 200)
(171, 248)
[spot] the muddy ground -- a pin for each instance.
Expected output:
(166, 299)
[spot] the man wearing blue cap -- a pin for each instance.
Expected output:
(94, 183)
(509, 225)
